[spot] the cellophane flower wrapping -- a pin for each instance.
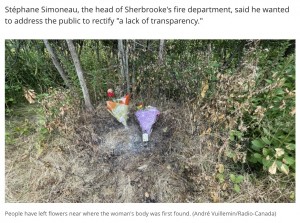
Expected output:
(119, 109)
(146, 118)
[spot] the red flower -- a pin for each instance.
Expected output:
(110, 93)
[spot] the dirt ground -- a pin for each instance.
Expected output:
(101, 161)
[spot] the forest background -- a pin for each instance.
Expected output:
(227, 131)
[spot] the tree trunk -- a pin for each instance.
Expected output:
(161, 51)
(133, 57)
(123, 58)
(97, 51)
(79, 72)
(57, 64)
(126, 68)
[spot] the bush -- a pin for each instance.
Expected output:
(272, 124)
(265, 110)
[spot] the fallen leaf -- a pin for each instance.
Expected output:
(273, 168)
(29, 95)
(225, 186)
(221, 168)
(293, 112)
(285, 169)
(215, 197)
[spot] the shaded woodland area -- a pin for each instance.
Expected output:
(226, 132)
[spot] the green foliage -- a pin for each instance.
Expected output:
(267, 109)
(21, 126)
(220, 177)
(236, 180)
(260, 104)
(223, 177)
(27, 65)
(235, 134)
(101, 67)
(272, 125)
(9, 139)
